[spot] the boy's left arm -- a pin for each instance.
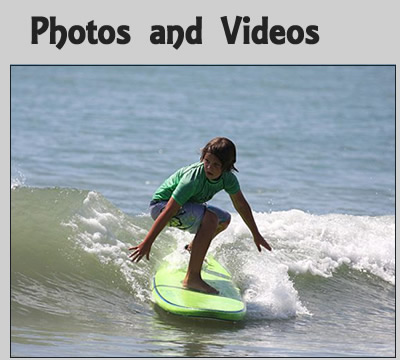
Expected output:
(243, 208)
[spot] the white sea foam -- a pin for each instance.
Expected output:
(18, 180)
(301, 242)
(102, 230)
(321, 244)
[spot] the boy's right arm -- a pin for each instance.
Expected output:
(143, 249)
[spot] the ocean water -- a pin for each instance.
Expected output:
(316, 160)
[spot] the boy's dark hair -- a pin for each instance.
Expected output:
(224, 149)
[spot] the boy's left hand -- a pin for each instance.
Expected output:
(260, 241)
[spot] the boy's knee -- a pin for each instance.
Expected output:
(228, 220)
(225, 224)
(211, 218)
(222, 226)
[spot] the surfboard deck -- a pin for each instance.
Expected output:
(169, 294)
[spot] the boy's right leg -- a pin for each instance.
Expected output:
(200, 245)
(224, 219)
(221, 227)
(195, 218)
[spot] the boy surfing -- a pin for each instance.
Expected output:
(180, 202)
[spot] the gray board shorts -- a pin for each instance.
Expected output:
(189, 216)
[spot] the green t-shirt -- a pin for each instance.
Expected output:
(190, 184)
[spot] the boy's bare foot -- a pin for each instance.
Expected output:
(199, 285)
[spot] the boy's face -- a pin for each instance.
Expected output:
(212, 166)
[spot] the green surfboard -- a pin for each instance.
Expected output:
(169, 294)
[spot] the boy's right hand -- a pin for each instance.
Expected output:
(143, 249)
